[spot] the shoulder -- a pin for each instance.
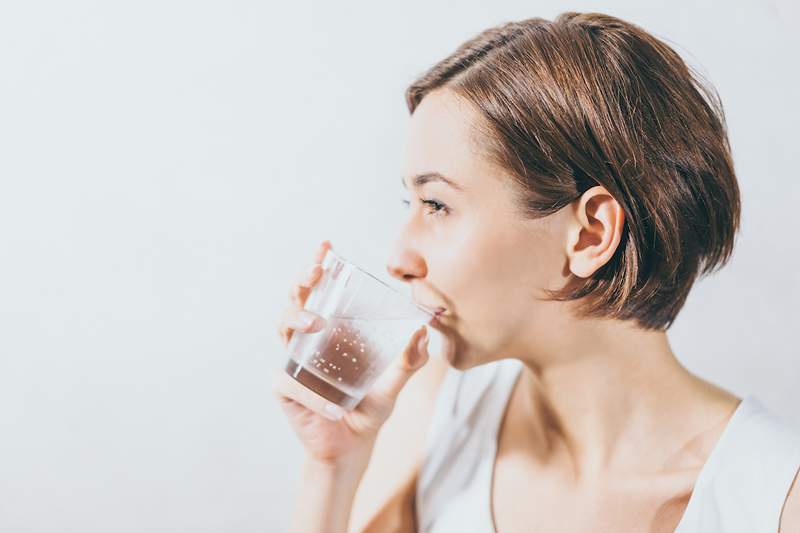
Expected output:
(775, 453)
(386, 491)
(750, 476)
(790, 516)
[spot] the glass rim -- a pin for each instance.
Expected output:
(341, 258)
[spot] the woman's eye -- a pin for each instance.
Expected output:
(438, 208)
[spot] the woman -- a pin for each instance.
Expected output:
(571, 179)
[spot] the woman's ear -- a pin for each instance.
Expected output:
(594, 231)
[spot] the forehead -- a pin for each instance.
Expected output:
(441, 139)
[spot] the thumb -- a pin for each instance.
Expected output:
(388, 386)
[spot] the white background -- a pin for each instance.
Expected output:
(168, 168)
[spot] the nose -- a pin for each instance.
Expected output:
(406, 265)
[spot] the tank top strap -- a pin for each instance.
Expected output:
(745, 481)
(459, 441)
(741, 488)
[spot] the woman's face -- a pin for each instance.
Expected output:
(467, 249)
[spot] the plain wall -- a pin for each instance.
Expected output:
(168, 168)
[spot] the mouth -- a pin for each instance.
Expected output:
(438, 312)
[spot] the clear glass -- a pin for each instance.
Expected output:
(368, 324)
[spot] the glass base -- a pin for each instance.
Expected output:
(320, 386)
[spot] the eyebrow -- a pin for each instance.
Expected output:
(421, 179)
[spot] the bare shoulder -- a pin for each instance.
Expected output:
(385, 496)
(790, 516)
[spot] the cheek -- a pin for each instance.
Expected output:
(501, 273)
(482, 271)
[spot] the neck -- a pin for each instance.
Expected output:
(613, 396)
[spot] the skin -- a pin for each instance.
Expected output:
(603, 418)
(603, 415)
(338, 444)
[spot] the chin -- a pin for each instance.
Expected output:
(455, 350)
(459, 356)
(452, 343)
(465, 363)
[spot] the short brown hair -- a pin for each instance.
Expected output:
(588, 99)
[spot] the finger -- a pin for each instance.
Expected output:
(292, 408)
(308, 278)
(299, 292)
(287, 388)
(300, 320)
(388, 386)
(322, 250)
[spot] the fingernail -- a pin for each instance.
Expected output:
(334, 410)
(305, 319)
(422, 348)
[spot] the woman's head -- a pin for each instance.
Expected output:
(595, 176)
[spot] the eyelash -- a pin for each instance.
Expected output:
(439, 209)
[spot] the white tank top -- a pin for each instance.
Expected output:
(741, 488)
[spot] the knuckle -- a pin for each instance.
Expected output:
(310, 276)
(303, 319)
(294, 292)
(285, 333)
(284, 324)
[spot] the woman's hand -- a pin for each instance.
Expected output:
(341, 438)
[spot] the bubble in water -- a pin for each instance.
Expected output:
(354, 359)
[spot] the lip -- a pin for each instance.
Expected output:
(432, 308)
(434, 321)
(437, 311)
